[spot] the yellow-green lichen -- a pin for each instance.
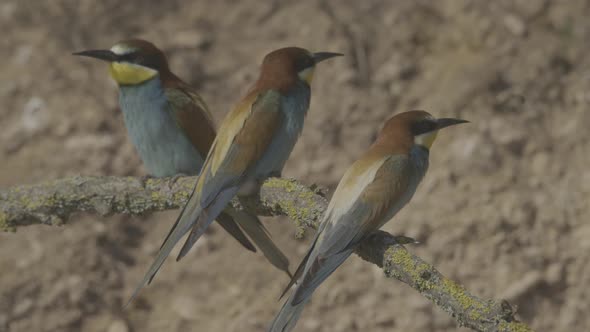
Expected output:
(304, 213)
(300, 215)
(34, 203)
(403, 259)
(287, 185)
(307, 198)
(24, 200)
(56, 221)
(513, 327)
(181, 196)
(5, 225)
(469, 304)
(301, 209)
(306, 195)
(158, 198)
(289, 208)
(291, 211)
(150, 182)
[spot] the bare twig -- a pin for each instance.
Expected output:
(357, 42)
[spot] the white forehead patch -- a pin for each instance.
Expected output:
(121, 49)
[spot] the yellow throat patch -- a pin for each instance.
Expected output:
(126, 73)
(307, 75)
(426, 139)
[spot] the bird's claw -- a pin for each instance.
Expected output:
(176, 177)
(400, 240)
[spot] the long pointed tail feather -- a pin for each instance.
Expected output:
(193, 216)
(199, 228)
(229, 224)
(261, 237)
(206, 217)
(182, 225)
(287, 318)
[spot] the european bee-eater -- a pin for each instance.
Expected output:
(254, 142)
(171, 128)
(371, 192)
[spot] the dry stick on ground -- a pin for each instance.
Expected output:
(357, 42)
(53, 202)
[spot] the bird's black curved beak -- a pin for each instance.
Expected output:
(321, 56)
(446, 122)
(106, 55)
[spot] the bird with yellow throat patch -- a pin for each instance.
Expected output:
(171, 128)
(254, 141)
(371, 192)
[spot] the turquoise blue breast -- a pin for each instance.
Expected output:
(162, 146)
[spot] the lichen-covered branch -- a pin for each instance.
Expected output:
(468, 310)
(53, 203)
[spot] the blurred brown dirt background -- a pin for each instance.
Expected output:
(504, 209)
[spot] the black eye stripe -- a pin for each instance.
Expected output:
(304, 63)
(423, 126)
(129, 57)
(138, 59)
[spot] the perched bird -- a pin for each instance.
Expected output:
(167, 121)
(171, 128)
(254, 142)
(371, 192)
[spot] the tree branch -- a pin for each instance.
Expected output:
(53, 203)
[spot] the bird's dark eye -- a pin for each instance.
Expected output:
(303, 63)
(139, 59)
(423, 126)
(129, 57)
